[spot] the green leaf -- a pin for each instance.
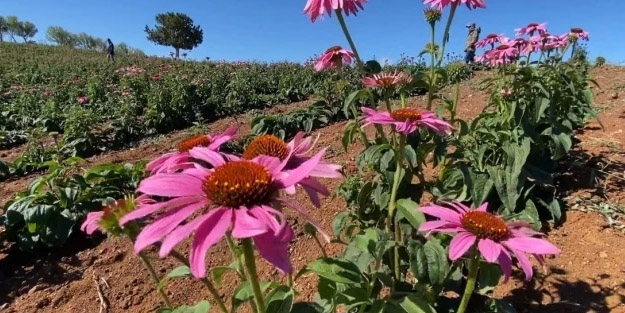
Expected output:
(530, 214)
(244, 292)
(339, 223)
(436, 258)
(488, 277)
(218, 272)
(201, 307)
(337, 270)
(180, 271)
(414, 304)
(410, 210)
(280, 300)
(306, 307)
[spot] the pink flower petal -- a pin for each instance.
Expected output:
(489, 249)
(207, 234)
(211, 157)
(441, 212)
(531, 245)
(461, 243)
(302, 171)
(525, 263)
(147, 209)
(182, 232)
(273, 245)
(92, 222)
(246, 225)
(164, 225)
(171, 185)
(505, 263)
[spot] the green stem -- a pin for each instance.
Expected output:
(393, 201)
(474, 266)
(237, 261)
(289, 280)
(323, 250)
(452, 12)
(402, 96)
(155, 278)
(250, 264)
(209, 285)
(432, 66)
(339, 16)
(235, 256)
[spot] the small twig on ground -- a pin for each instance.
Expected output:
(104, 304)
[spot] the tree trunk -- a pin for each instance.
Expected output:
(177, 53)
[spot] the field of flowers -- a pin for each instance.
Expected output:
(437, 210)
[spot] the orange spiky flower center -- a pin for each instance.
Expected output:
(192, 142)
(485, 225)
(334, 49)
(406, 114)
(267, 145)
(577, 30)
(239, 183)
(503, 47)
(492, 36)
(532, 25)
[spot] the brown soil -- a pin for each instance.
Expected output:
(588, 276)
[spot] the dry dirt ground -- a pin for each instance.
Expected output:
(589, 275)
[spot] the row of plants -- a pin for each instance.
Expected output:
(494, 186)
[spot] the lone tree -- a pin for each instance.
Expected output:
(27, 30)
(61, 37)
(4, 28)
(175, 30)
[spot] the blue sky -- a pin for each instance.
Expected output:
(272, 30)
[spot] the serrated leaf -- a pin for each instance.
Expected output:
(410, 210)
(337, 270)
(280, 300)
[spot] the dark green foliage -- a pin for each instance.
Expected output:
(175, 30)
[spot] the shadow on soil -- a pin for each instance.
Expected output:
(563, 296)
(597, 174)
(22, 272)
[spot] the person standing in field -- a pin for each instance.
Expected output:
(474, 36)
(110, 50)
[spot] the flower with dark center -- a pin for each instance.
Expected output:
(107, 220)
(334, 57)
(316, 8)
(407, 120)
(387, 80)
(442, 4)
(180, 159)
(580, 33)
(495, 239)
(294, 153)
(491, 40)
(532, 28)
(267, 145)
(236, 196)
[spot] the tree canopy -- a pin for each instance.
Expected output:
(175, 30)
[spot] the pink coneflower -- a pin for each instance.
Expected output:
(532, 28)
(293, 154)
(234, 195)
(441, 4)
(580, 33)
(407, 120)
(506, 52)
(47, 93)
(82, 100)
(316, 8)
(107, 220)
(181, 159)
(491, 40)
(505, 92)
(387, 80)
(495, 239)
(334, 58)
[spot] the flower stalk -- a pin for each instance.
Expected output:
(250, 264)
(339, 16)
(155, 278)
(474, 266)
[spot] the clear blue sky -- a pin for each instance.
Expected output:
(271, 30)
